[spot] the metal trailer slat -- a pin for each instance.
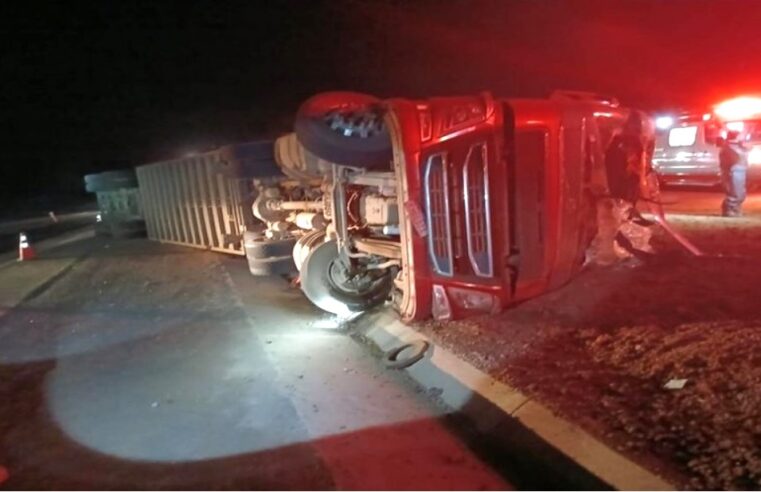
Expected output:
(145, 183)
(173, 203)
(163, 221)
(190, 186)
(162, 182)
(203, 200)
(224, 208)
(147, 208)
(211, 226)
(217, 219)
(178, 205)
(182, 190)
(224, 205)
(238, 197)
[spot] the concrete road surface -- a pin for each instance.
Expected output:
(128, 364)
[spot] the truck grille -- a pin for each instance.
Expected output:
(438, 214)
(475, 177)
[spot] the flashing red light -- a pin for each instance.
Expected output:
(739, 108)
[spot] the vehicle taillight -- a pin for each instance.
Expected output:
(664, 122)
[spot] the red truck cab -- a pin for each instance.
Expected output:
(496, 198)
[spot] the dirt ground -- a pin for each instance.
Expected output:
(600, 350)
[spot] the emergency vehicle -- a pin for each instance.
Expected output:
(687, 144)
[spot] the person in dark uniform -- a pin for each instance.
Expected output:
(628, 158)
(733, 161)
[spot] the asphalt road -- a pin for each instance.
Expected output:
(128, 364)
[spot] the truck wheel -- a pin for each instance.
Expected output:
(305, 244)
(346, 128)
(110, 181)
(258, 247)
(326, 282)
(267, 267)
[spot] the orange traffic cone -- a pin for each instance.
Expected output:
(25, 250)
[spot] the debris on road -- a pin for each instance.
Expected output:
(413, 352)
(675, 384)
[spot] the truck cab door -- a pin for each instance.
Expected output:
(452, 186)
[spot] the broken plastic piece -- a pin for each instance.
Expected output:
(675, 384)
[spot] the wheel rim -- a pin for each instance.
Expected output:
(342, 280)
(326, 283)
(358, 124)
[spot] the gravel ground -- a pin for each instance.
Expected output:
(600, 350)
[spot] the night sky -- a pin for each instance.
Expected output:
(104, 85)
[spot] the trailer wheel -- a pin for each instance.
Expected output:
(267, 267)
(346, 128)
(258, 247)
(330, 286)
(110, 180)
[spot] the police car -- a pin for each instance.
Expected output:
(687, 144)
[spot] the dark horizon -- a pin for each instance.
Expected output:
(113, 85)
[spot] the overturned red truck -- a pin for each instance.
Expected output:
(447, 207)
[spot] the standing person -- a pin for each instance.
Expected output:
(733, 160)
(627, 164)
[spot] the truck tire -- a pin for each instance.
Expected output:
(305, 244)
(258, 247)
(267, 267)
(346, 128)
(110, 180)
(128, 229)
(327, 290)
